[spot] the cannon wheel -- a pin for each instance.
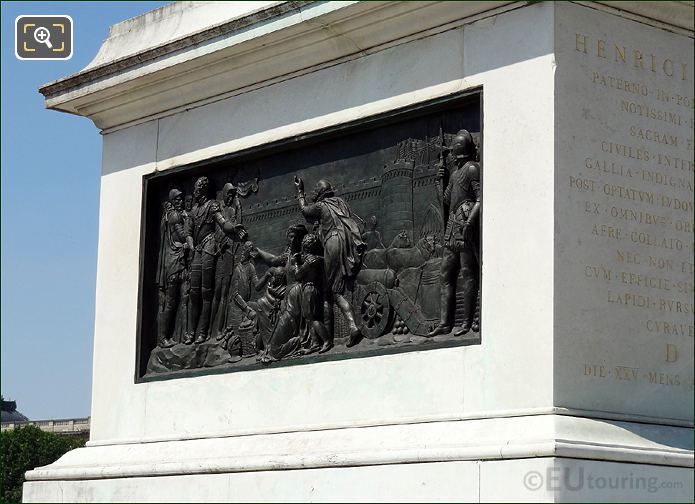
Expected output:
(374, 310)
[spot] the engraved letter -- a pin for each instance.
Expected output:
(639, 59)
(671, 353)
(619, 53)
(581, 41)
(601, 48)
(668, 67)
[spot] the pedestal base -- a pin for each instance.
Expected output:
(548, 479)
(540, 458)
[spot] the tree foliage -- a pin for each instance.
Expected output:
(24, 449)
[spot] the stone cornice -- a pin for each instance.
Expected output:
(256, 50)
(276, 42)
(93, 73)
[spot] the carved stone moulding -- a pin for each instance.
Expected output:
(358, 240)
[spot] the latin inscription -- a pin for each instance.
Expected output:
(634, 195)
(629, 374)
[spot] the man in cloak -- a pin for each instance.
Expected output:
(343, 246)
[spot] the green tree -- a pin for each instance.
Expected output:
(24, 449)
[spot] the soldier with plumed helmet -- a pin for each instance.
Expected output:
(206, 216)
(461, 234)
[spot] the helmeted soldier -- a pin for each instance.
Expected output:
(461, 235)
(226, 252)
(343, 247)
(206, 216)
(174, 248)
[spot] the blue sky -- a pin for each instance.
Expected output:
(50, 205)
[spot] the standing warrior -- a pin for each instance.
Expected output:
(226, 251)
(341, 231)
(206, 216)
(461, 243)
(181, 318)
(174, 246)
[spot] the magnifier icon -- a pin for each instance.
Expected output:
(43, 36)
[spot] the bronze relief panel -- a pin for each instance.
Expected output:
(352, 242)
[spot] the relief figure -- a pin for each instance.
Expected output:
(461, 237)
(262, 315)
(174, 247)
(224, 267)
(206, 217)
(181, 320)
(244, 283)
(343, 247)
(285, 338)
(372, 237)
(309, 271)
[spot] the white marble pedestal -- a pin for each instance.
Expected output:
(582, 386)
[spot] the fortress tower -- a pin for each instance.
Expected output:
(397, 200)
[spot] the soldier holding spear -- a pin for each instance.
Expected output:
(461, 209)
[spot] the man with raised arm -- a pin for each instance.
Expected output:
(341, 232)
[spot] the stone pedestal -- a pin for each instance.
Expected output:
(581, 384)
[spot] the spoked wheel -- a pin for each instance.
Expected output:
(374, 310)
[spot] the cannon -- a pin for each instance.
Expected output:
(412, 294)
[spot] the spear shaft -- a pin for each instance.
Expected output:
(442, 182)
